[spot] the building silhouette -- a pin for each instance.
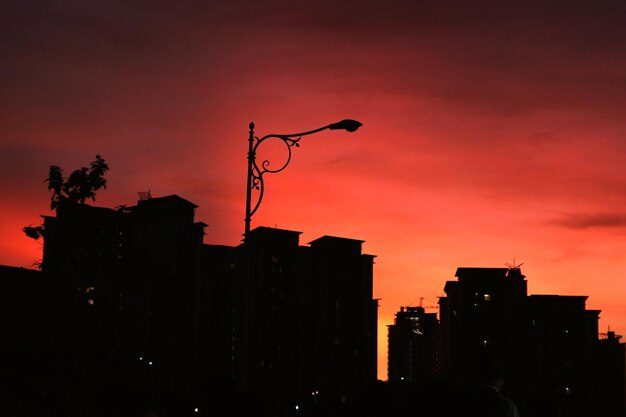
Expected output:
(134, 274)
(482, 310)
(300, 321)
(28, 305)
(152, 319)
(564, 337)
(542, 352)
(609, 386)
(132, 313)
(552, 360)
(413, 345)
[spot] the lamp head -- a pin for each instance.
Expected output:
(347, 124)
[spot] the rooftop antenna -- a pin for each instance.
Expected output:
(514, 266)
(421, 304)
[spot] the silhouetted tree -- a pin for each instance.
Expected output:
(33, 232)
(81, 185)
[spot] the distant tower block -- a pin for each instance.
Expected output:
(412, 345)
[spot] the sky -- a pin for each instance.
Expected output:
(493, 132)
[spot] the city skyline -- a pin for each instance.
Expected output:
(490, 134)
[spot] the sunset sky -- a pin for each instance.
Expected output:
(493, 132)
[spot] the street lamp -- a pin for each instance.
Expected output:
(256, 172)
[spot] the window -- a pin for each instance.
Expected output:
(90, 290)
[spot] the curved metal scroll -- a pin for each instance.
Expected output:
(257, 181)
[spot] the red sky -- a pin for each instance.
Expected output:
(492, 131)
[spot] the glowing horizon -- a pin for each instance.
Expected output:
(489, 133)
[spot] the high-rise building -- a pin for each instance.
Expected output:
(413, 345)
(288, 324)
(552, 361)
(134, 272)
(299, 321)
(564, 336)
(608, 368)
(482, 310)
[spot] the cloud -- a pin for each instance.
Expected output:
(586, 221)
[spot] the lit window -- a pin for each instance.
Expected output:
(485, 344)
(568, 390)
(487, 297)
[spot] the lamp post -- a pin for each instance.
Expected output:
(255, 172)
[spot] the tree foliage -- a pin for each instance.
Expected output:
(33, 232)
(80, 186)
